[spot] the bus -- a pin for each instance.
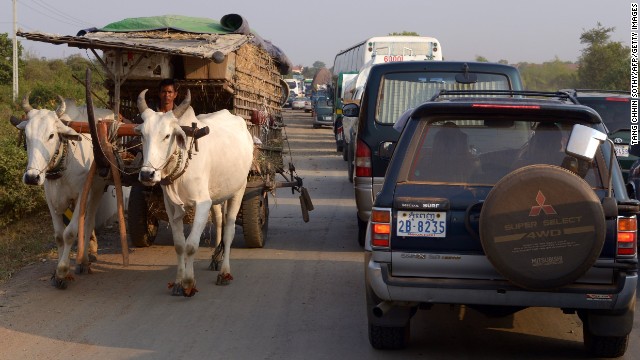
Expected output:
(386, 49)
(295, 87)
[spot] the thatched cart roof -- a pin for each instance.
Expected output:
(173, 34)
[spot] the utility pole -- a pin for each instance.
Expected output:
(15, 52)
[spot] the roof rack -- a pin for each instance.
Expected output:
(562, 95)
(600, 91)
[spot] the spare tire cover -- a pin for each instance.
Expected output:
(542, 227)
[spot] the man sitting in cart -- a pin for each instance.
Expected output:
(167, 93)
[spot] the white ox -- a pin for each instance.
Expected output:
(217, 173)
(59, 160)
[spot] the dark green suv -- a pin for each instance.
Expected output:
(614, 108)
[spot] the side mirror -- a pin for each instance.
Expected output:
(584, 141)
(351, 110)
(386, 149)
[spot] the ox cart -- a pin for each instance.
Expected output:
(230, 68)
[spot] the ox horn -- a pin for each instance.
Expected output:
(142, 103)
(62, 107)
(25, 103)
(184, 105)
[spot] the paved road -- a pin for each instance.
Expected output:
(300, 297)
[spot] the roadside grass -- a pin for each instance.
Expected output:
(25, 242)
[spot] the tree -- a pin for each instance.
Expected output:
(6, 58)
(404, 33)
(480, 58)
(604, 64)
(548, 76)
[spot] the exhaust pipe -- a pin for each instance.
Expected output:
(382, 308)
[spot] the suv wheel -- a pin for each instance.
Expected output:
(362, 231)
(604, 346)
(542, 227)
(389, 338)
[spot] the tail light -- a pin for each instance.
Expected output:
(627, 235)
(380, 227)
(363, 159)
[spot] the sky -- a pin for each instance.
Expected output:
(512, 30)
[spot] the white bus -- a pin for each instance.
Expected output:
(386, 49)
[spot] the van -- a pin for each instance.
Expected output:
(390, 90)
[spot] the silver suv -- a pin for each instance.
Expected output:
(502, 203)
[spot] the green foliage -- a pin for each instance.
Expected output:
(481, 59)
(604, 64)
(46, 79)
(548, 76)
(6, 59)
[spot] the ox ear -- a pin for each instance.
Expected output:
(68, 133)
(16, 122)
(181, 137)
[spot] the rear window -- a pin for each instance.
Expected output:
(614, 111)
(402, 91)
(322, 110)
(482, 151)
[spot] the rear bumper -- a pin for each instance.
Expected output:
(500, 293)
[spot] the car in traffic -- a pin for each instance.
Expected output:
(308, 106)
(391, 89)
(499, 204)
(288, 102)
(322, 116)
(614, 107)
(300, 103)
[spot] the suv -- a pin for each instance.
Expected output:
(391, 89)
(614, 107)
(503, 203)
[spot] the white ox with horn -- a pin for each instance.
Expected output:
(216, 173)
(59, 160)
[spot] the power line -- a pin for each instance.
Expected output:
(51, 16)
(60, 13)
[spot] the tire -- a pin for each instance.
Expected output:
(362, 231)
(389, 337)
(143, 228)
(542, 227)
(604, 346)
(255, 220)
(350, 165)
(345, 156)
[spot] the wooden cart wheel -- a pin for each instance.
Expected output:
(143, 228)
(255, 220)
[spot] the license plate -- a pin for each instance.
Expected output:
(622, 150)
(422, 223)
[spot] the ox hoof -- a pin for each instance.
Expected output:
(224, 279)
(178, 290)
(93, 257)
(83, 268)
(216, 258)
(59, 283)
(215, 265)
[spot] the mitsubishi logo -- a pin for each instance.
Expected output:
(548, 209)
